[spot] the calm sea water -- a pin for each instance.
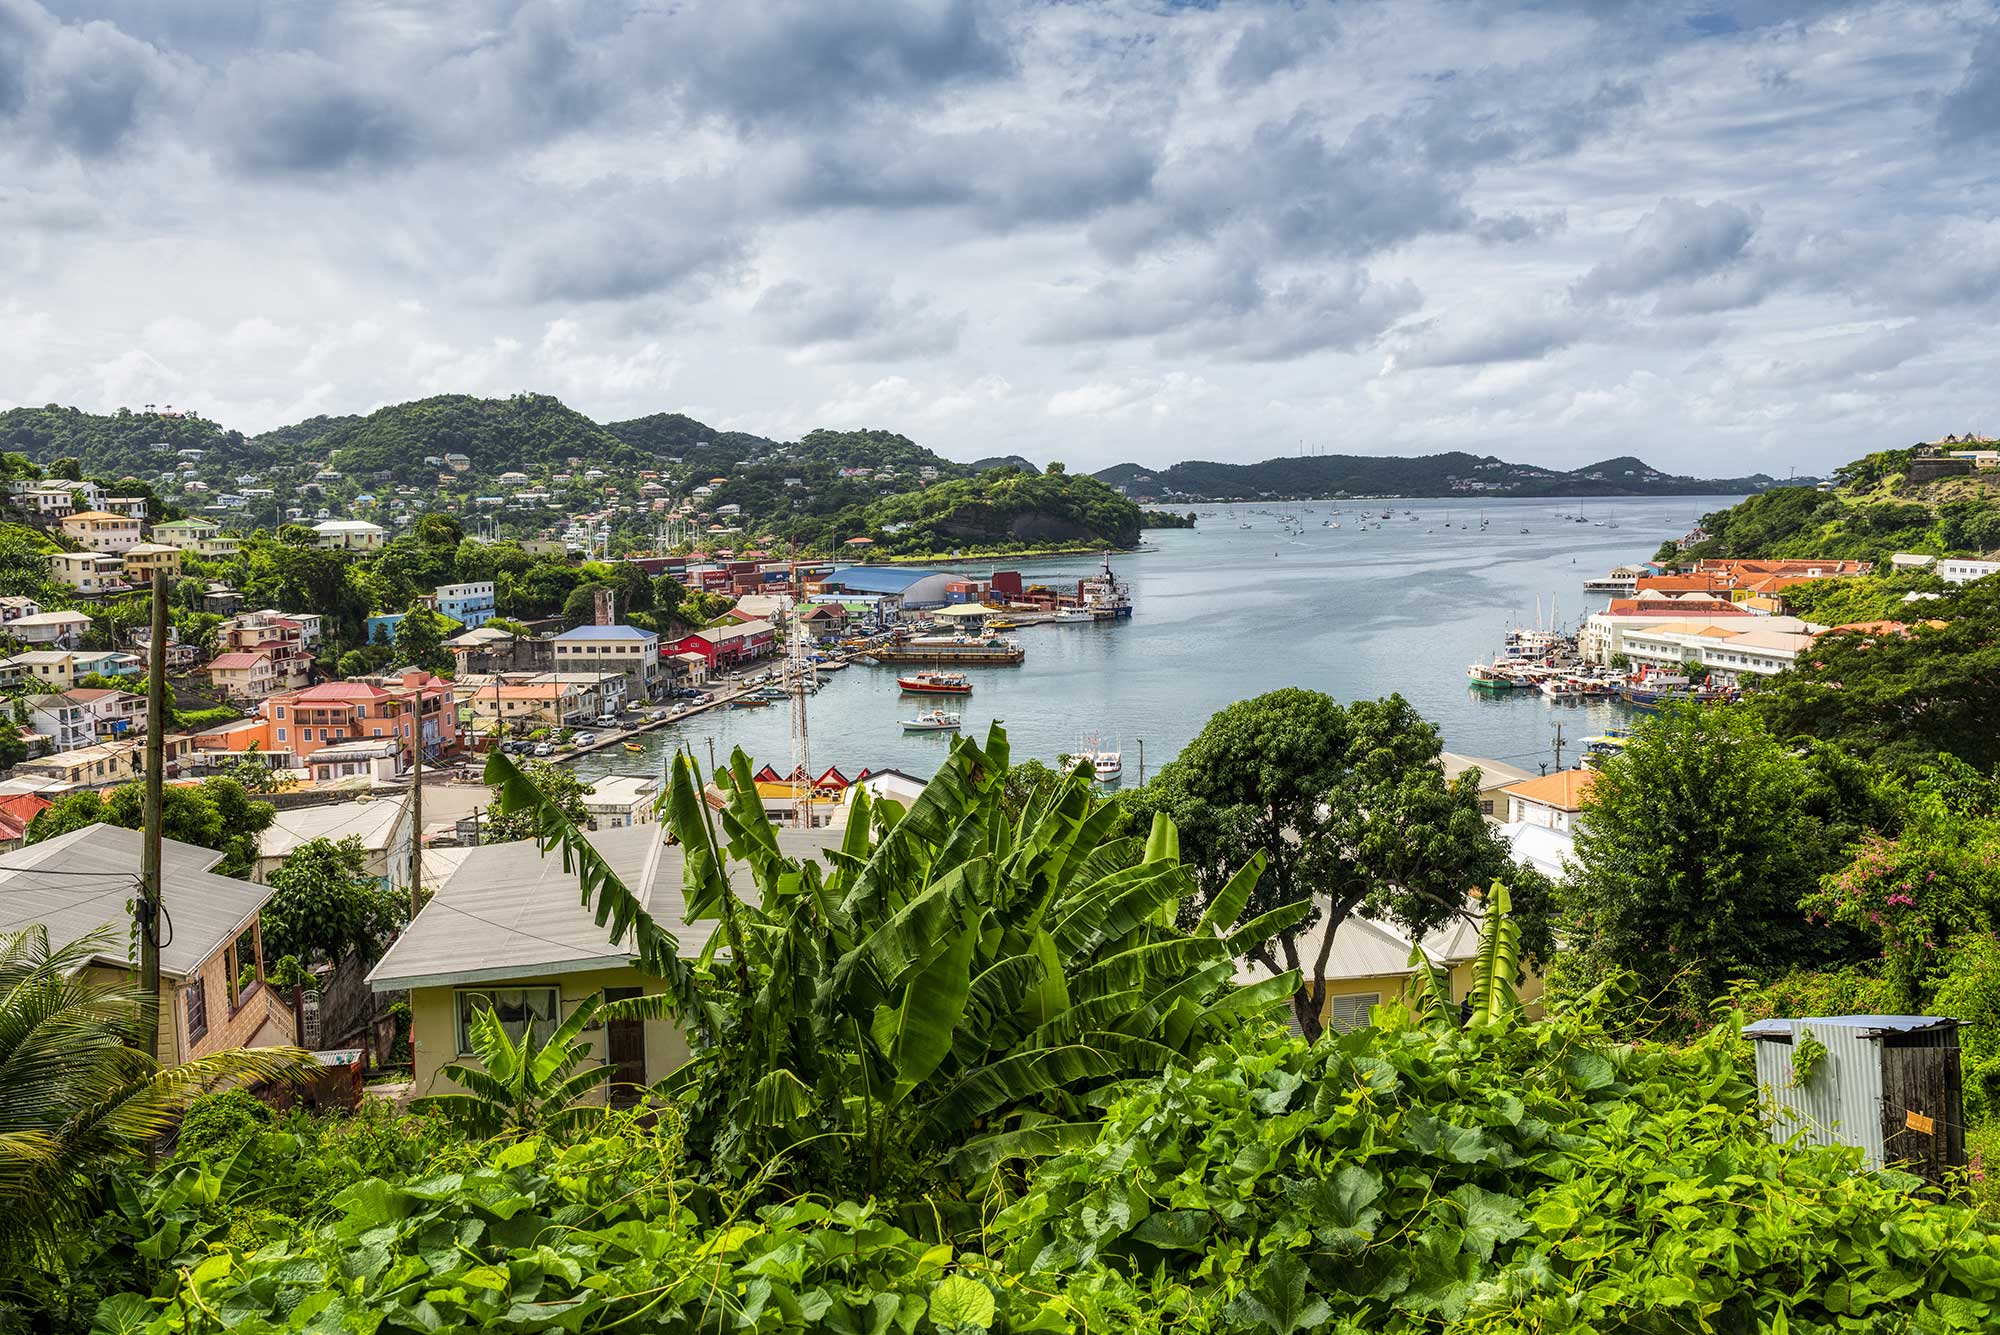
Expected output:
(1223, 613)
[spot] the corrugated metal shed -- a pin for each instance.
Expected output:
(1883, 1079)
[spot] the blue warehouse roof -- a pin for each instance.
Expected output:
(877, 579)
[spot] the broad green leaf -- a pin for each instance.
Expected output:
(961, 1303)
(933, 1004)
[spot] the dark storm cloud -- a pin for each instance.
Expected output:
(1506, 338)
(1003, 176)
(804, 60)
(1229, 307)
(1677, 242)
(856, 320)
(616, 246)
(1972, 110)
(1303, 194)
(293, 112)
(78, 88)
(1271, 44)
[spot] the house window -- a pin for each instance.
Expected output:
(197, 1009)
(244, 971)
(1348, 1013)
(515, 1007)
(281, 732)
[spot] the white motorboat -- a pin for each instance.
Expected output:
(932, 720)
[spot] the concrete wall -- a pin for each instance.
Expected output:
(434, 1024)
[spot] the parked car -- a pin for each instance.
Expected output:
(544, 749)
(584, 738)
(607, 720)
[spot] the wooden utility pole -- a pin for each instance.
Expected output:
(155, 797)
(1142, 762)
(417, 806)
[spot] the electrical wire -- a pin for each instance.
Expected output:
(132, 885)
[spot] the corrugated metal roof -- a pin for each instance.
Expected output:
(508, 911)
(205, 910)
(877, 579)
(1870, 1025)
(372, 821)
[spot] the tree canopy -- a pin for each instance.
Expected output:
(1349, 810)
(215, 813)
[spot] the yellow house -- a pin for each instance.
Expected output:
(104, 765)
(88, 572)
(211, 967)
(1369, 966)
(146, 557)
(505, 930)
(102, 531)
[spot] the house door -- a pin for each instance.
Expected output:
(625, 1049)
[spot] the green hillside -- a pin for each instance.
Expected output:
(111, 445)
(1002, 510)
(1450, 474)
(527, 432)
(1873, 512)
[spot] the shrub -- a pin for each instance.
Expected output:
(1970, 991)
(218, 1124)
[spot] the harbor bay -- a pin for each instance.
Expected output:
(1224, 612)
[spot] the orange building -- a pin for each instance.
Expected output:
(298, 723)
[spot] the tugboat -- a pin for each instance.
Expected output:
(936, 683)
(932, 720)
(1107, 599)
(1105, 765)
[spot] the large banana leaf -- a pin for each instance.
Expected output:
(883, 960)
(1498, 961)
(1114, 906)
(614, 903)
(1228, 903)
(933, 1003)
(901, 855)
(1265, 926)
(1017, 1079)
(1155, 962)
(978, 1157)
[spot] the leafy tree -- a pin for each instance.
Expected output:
(12, 749)
(1901, 699)
(325, 906)
(580, 607)
(1919, 892)
(668, 592)
(215, 813)
(65, 470)
(558, 786)
(76, 1086)
(436, 530)
(1695, 847)
(1348, 808)
(420, 637)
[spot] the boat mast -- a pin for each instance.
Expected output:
(801, 743)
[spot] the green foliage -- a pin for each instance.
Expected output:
(76, 1086)
(1807, 1054)
(218, 1124)
(420, 638)
(1901, 700)
(1694, 851)
(1348, 808)
(1969, 990)
(215, 813)
(557, 784)
(538, 1083)
(325, 905)
(1526, 1178)
(998, 511)
(596, 1236)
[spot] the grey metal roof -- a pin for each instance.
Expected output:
(81, 881)
(1871, 1026)
(372, 819)
(508, 911)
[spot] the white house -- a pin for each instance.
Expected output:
(354, 535)
(1963, 570)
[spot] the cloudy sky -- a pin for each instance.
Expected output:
(1723, 236)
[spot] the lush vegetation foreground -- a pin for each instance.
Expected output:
(1502, 1177)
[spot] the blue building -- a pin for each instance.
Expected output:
(470, 605)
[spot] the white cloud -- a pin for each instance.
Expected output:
(1120, 230)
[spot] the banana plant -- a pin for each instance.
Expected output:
(1495, 966)
(944, 983)
(531, 1085)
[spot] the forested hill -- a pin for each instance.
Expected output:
(1875, 510)
(1451, 474)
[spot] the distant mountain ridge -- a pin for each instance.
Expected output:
(1454, 473)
